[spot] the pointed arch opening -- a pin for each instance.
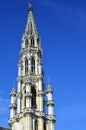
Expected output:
(38, 40)
(36, 125)
(24, 99)
(44, 125)
(32, 42)
(33, 90)
(26, 66)
(32, 65)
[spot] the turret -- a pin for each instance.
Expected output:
(50, 105)
(50, 102)
(13, 103)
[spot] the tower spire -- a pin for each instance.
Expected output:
(31, 26)
(29, 113)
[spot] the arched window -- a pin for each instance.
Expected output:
(33, 97)
(36, 125)
(26, 66)
(44, 126)
(33, 65)
(26, 43)
(32, 42)
(38, 41)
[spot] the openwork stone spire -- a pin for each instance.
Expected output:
(31, 26)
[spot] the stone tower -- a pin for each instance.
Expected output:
(27, 107)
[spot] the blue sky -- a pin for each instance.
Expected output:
(62, 27)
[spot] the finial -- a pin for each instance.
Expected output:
(30, 7)
(49, 88)
(13, 83)
(13, 92)
(13, 86)
(48, 80)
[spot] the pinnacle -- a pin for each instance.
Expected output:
(49, 88)
(13, 92)
(13, 89)
(31, 26)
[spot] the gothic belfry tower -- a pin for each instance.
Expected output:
(27, 107)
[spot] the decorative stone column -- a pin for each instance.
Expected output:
(19, 102)
(34, 124)
(29, 122)
(40, 83)
(35, 41)
(28, 95)
(19, 96)
(36, 69)
(24, 67)
(41, 100)
(50, 125)
(19, 68)
(40, 124)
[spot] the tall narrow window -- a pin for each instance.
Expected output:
(26, 66)
(44, 125)
(36, 125)
(33, 97)
(26, 43)
(38, 41)
(32, 42)
(24, 99)
(33, 65)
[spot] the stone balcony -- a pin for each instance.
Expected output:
(39, 114)
(28, 111)
(50, 102)
(51, 117)
(11, 121)
(13, 105)
(28, 94)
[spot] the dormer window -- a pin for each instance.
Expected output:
(26, 66)
(26, 43)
